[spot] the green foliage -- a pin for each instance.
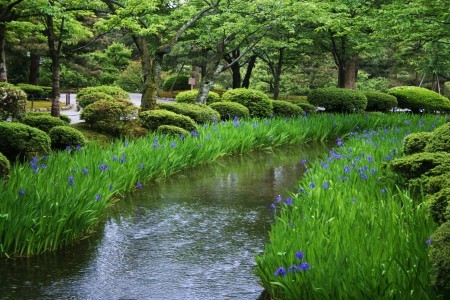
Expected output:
(63, 117)
(366, 84)
(440, 140)
(338, 100)
(307, 107)
(190, 96)
(181, 83)
(377, 101)
(109, 115)
(285, 109)
(440, 256)
(63, 136)
(415, 142)
(417, 98)
(35, 91)
(5, 167)
(438, 204)
(230, 110)
(113, 91)
(198, 112)
(43, 122)
(85, 99)
(13, 103)
(258, 104)
(152, 119)
(424, 163)
(131, 79)
(172, 130)
(22, 141)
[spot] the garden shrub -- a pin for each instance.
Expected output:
(338, 100)
(438, 205)
(89, 98)
(109, 115)
(13, 102)
(152, 119)
(377, 101)
(23, 141)
(307, 107)
(285, 109)
(63, 136)
(181, 83)
(63, 117)
(417, 98)
(440, 257)
(440, 140)
(172, 130)
(113, 91)
(43, 122)
(258, 104)
(230, 110)
(200, 113)
(424, 163)
(415, 142)
(190, 96)
(35, 91)
(5, 167)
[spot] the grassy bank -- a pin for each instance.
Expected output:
(349, 232)
(54, 201)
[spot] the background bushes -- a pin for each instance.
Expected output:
(258, 104)
(63, 117)
(113, 91)
(152, 119)
(13, 102)
(63, 136)
(172, 130)
(417, 98)
(181, 83)
(338, 100)
(85, 99)
(43, 122)
(35, 91)
(198, 112)
(285, 109)
(23, 141)
(377, 101)
(190, 96)
(230, 110)
(5, 167)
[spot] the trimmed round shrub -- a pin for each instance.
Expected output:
(338, 100)
(172, 130)
(200, 113)
(63, 136)
(438, 204)
(190, 96)
(152, 119)
(43, 122)
(417, 98)
(285, 109)
(23, 141)
(415, 142)
(109, 115)
(230, 110)
(440, 140)
(377, 101)
(307, 107)
(113, 91)
(258, 104)
(63, 117)
(89, 98)
(181, 83)
(440, 256)
(35, 91)
(13, 102)
(413, 166)
(5, 167)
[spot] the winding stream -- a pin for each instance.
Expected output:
(192, 236)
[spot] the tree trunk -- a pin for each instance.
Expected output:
(277, 74)
(236, 75)
(151, 68)
(196, 76)
(3, 73)
(248, 73)
(347, 73)
(215, 70)
(54, 55)
(33, 77)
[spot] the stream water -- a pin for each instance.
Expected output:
(191, 236)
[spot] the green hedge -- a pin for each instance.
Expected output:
(417, 98)
(13, 102)
(338, 100)
(230, 110)
(307, 107)
(200, 113)
(377, 101)
(285, 109)
(258, 104)
(23, 141)
(63, 117)
(172, 130)
(181, 83)
(190, 96)
(440, 256)
(113, 91)
(43, 122)
(85, 99)
(424, 163)
(416, 142)
(440, 139)
(35, 91)
(152, 119)
(5, 167)
(63, 136)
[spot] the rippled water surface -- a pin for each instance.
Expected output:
(192, 236)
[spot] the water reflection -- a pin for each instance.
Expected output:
(192, 236)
